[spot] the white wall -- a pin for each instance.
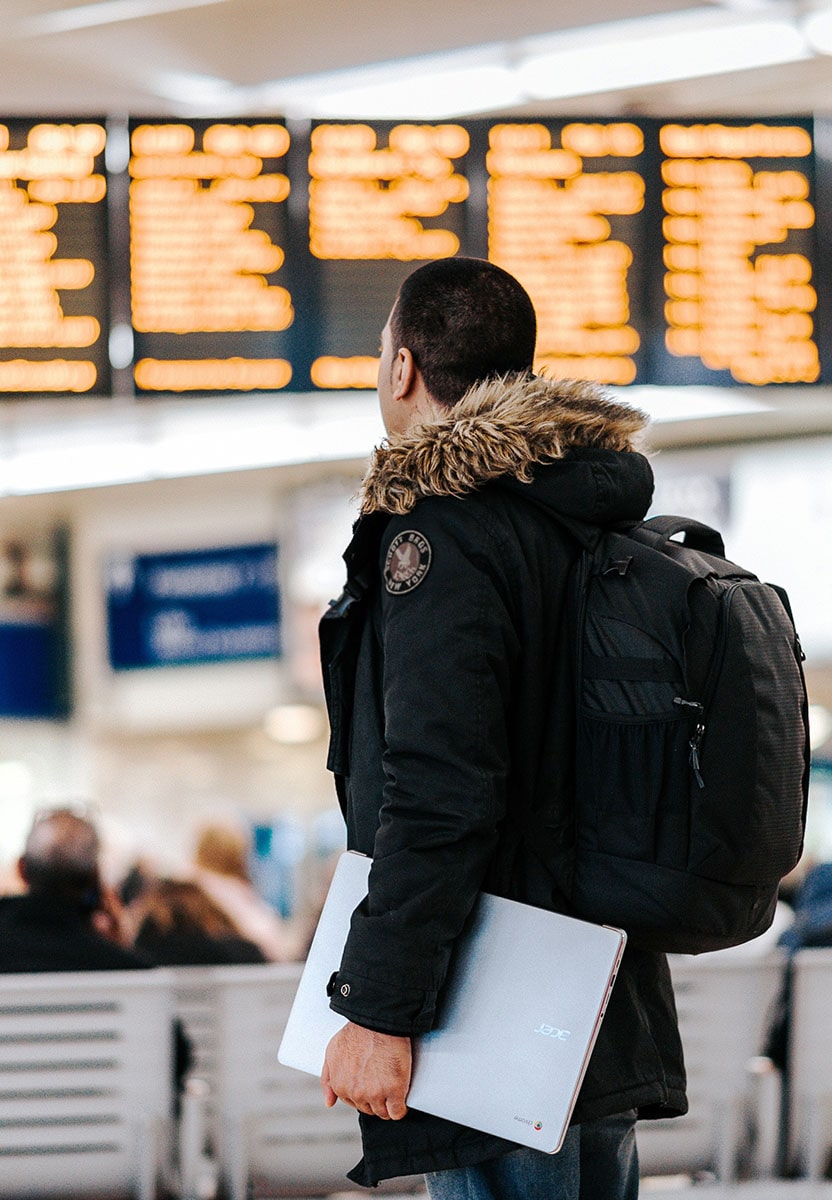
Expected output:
(773, 505)
(157, 751)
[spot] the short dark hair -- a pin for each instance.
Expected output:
(61, 854)
(464, 320)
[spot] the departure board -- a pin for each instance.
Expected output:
(208, 234)
(563, 213)
(265, 255)
(383, 199)
(54, 324)
(739, 252)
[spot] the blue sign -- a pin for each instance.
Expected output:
(29, 682)
(34, 664)
(195, 606)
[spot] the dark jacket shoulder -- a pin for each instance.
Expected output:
(38, 934)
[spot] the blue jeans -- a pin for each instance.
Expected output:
(598, 1161)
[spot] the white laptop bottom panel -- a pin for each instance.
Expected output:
(517, 1021)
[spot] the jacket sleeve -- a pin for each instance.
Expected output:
(449, 645)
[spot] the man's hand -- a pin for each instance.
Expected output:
(369, 1071)
(108, 917)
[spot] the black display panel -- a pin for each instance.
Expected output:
(265, 255)
(565, 200)
(736, 293)
(209, 279)
(383, 199)
(54, 326)
(655, 252)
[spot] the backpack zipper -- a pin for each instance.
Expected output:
(722, 641)
(695, 742)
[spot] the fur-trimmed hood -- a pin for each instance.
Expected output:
(500, 429)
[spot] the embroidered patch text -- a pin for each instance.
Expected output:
(407, 562)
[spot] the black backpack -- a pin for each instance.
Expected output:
(692, 740)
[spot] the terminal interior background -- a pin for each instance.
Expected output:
(89, 483)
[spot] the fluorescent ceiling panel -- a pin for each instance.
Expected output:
(817, 28)
(173, 440)
(107, 12)
(616, 55)
(631, 54)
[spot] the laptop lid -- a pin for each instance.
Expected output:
(517, 1020)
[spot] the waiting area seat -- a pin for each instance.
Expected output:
(810, 1071)
(86, 1087)
(272, 1132)
(275, 1128)
(86, 1082)
(724, 1003)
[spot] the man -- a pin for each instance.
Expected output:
(66, 921)
(447, 664)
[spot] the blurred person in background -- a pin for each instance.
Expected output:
(66, 919)
(179, 925)
(221, 870)
(138, 879)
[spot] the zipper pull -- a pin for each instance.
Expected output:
(695, 742)
(799, 647)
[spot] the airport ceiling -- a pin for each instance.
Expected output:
(143, 57)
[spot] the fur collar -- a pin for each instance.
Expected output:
(501, 427)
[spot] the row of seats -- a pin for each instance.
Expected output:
(745, 1121)
(86, 1074)
(86, 1081)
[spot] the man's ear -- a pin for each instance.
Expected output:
(21, 869)
(405, 374)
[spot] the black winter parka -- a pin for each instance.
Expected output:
(448, 671)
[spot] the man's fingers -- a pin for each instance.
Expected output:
(369, 1071)
(329, 1096)
(387, 1108)
(396, 1109)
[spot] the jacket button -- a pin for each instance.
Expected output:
(345, 989)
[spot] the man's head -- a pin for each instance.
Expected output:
(61, 856)
(458, 321)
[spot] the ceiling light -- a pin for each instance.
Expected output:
(56, 467)
(294, 724)
(424, 96)
(619, 54)
(817, 29)
(631, 54)
(195, 91)
(106, 445)
(107, 12)
(121, 345)
(690, 403)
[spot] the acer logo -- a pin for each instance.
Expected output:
(553, 1032)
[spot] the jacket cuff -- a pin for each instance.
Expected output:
(402, 1012)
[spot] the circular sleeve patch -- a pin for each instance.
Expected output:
(407, 562)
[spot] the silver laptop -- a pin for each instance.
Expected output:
(517, 1021)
